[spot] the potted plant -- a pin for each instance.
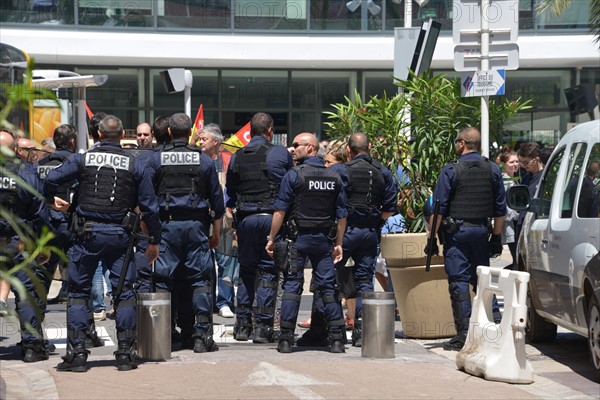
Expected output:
(437, 112)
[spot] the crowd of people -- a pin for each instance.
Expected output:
(260, 215)
(209, 219)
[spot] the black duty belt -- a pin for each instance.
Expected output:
(475, 222)
(186, 215)
(99, 220)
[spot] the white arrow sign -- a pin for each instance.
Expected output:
(482, 83)
(269, 375)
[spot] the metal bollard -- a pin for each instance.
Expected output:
(154, 326)
(378, 325)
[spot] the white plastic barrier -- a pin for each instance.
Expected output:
(497, 351)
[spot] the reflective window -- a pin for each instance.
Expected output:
(254, 90)
(574, 169)
(377, 83)
(589, 195)
(210, 14)
(548, 184)
(269, 15)
(310, 89)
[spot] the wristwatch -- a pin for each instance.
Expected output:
(269, 239)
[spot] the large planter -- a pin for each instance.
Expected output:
(422, 297)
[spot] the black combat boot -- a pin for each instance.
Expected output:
(263, 334)
(316, 336)
(33, 352)
(91, 337)
(242, 330)
(461, 322)
(75, 360)
(357, 333)
(125, 355)
(457, 342)
(336, 342)
(205, 344)
(285, 342)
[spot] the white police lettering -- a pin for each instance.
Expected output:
(116, 161)
(7, 183)
(180, 158)
(44, 169)
(321, 185)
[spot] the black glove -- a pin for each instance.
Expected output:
(495, 246)
(434, 251)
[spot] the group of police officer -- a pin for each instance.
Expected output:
(289, 208)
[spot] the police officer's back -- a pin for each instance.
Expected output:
(253, 179)
(372, 194)
(111, 185)
(190, 199)
(470, 191)
(30, 214)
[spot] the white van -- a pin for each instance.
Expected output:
(560, 239)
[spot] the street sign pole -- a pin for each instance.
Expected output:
(485, 65)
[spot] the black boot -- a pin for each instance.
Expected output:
(33, 352)
(91, 337)
(205, 344)
(75, 360)
(125, 355)
(357, 333)
(457, 342)
(263, 334)
(461, 321)
(286, 342)
(242, 330)
(336, 342)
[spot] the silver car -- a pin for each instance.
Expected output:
(560, 238)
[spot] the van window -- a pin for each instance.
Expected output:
(589, 195)
(549, 182)
(574, 169)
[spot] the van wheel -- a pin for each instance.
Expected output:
(594, 333)
(538, 330)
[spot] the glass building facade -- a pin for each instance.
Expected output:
(296, 97)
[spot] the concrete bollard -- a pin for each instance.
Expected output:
(378, 325)
(154, 326)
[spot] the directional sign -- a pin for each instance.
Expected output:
(502, 16)
(502, 56)
(482, 83)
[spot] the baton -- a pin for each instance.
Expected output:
(432, 234)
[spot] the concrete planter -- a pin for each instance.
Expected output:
(422, 297)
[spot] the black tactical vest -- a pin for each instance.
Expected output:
(48, 163)
(252, 175)
(9, 191)
(107, 184)
(180, 173)
(472, 196)
(315, 197)
(366, 185)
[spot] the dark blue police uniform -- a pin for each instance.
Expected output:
(31, 210)
(253, 179)
(190, 198)
(470, 190)
(313, 198)
(361, 241)
(111, 185)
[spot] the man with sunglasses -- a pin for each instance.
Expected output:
(470, 191)
(253, 179)
(312, 202)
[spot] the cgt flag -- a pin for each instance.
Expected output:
(239, 140)
(198, 124)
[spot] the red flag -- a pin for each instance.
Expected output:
(89, 112)
(240, 139)
(199, 122)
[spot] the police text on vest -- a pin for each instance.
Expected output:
(180, 158)
(94, 159)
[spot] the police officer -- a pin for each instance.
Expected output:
(253, 179)
(30, 211)
(311, 199)
(111, 185)
(372, 194)
(470, 191)
(190, 199)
